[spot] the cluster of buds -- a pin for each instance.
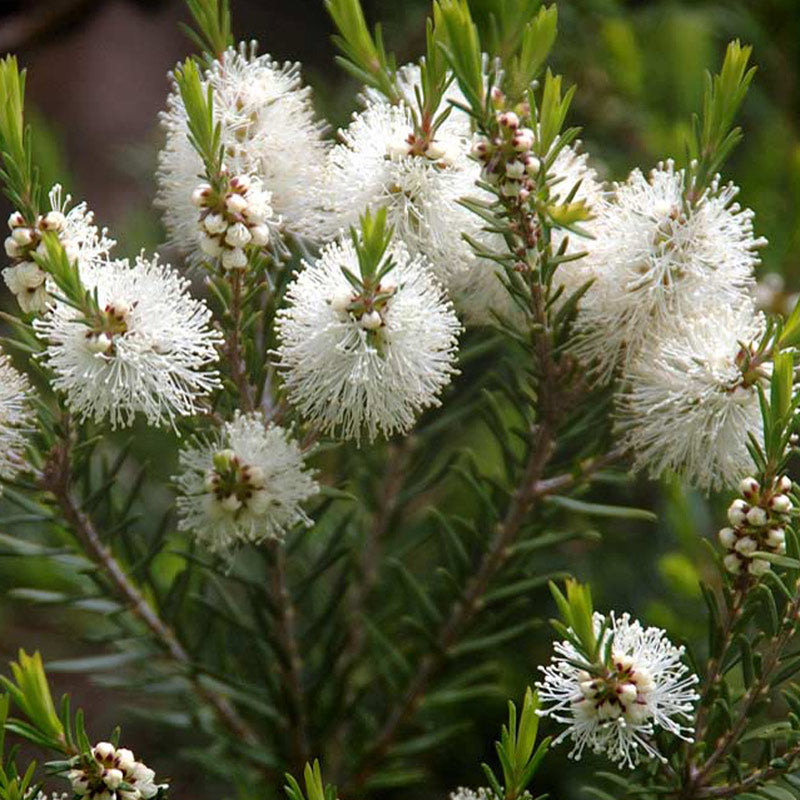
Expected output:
(422, 146)
(233, 486)
(507, 158)
(233, 219)
(620, 693)
(368, 307)
(111, 322)
(757, 525)
(107, 773)
(24, 278)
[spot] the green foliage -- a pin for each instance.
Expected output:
(577, 617)
(364, 54)
(213, 20)
(315, 789)
(519, 757)
(371, 244)
(30, 691)
(713, 138)
(537, 38)
(204, 134)
(20, 179)
(461, 44)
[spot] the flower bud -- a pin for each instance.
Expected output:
(260, 235)
(53, 221)
(523, 140)
(627, 693)
(210, 245)
(758, 567)
(231, 503)
(750, 488)
(746, 545)
(235, 203)
(201, 194)
(215, 223)
(13, 250)
(727, 537)
(756, 516)
(238, 235)
(341, 300)
(733, 564)
(780, 504)
(104, 751)
(112, 778)
(371, 321)
(240, 183)
(515, 169)
(98, 343)
(234, 259)
(434, 151)
(784, 484)
(532, 166)
(509, 120)
(16, 220)
(776, 537)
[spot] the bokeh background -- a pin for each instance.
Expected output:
(97, 80)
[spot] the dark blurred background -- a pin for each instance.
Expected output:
(97, 80)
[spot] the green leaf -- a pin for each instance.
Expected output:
(213, 20)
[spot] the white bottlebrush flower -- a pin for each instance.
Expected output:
(465, 793)
(617, 709)
(685, 404)
(480, 293)
(655, 260)
(374, 166)
(149, 351)
(104, 772)
(246, 486)
(269, 130)
(16, 419)
(365, 372)
(78, 234)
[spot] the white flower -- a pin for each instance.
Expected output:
(150, 350)
(374, 167)
(617, 709)
(685, 404)
(246, 486)
(464, 793)
(342, 371)
(16, 419)
(269, 131)
(100, 774)
(480, 293)
(656, 260)
(77, 233)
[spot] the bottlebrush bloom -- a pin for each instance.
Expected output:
(690, 398)
(149, 350)
(105, 772)
(269, 131)
(361, 367)
(657, 259)
(616, 708)
(77, 233)
(16, 419)
(464, 793)
(377, 165)
(245, 486)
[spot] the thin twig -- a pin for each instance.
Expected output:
(57, 479)
(293, 666)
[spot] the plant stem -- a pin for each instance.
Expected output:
(293, 667)
(233, 346)
(465, 607)
(57, 479)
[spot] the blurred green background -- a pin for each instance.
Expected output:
(97, 79)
